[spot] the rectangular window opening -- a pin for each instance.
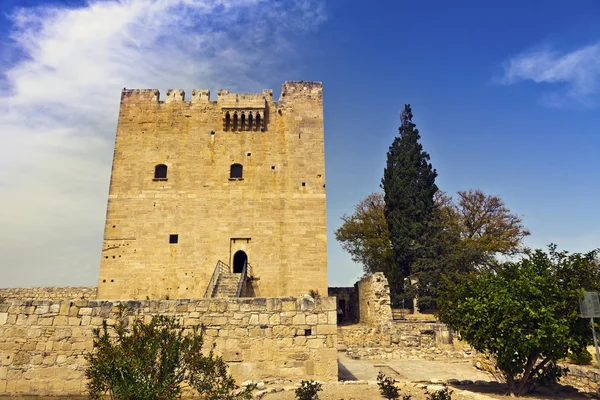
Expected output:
(173, 239)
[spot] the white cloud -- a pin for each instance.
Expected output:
(577, 72)
(59, 105)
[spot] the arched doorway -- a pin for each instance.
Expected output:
(239, 260)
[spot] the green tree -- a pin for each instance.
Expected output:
(365, 235)
(409, 188)
(483, 224)
(150, 361)
(524, 315)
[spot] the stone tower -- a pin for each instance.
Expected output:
(240, 179)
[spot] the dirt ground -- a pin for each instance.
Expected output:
(414, 377)
(345, 391)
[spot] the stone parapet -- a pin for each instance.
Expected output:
(49, 293)
(43, 342)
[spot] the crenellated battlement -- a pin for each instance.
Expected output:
(225, 99)
(301, 89)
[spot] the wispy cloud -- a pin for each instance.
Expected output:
(59, 103)
(571, 76)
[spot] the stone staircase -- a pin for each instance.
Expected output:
(227, 285)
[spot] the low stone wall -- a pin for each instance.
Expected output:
(374, 300)
(586, 379)
(398, 340)
(49, 293)
(43, 343)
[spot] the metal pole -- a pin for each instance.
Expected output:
(595, 342)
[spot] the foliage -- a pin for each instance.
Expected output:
(308, 390)
(580, 357)
(483, 224)
(465, 236)
(387, 386)
(152, 360)
(409, 187)
(365, 235)
(442, 394)
(525, 314)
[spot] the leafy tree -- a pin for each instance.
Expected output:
(409, 187)
(524, 315)
(365, 235)
(483, 224)
(150, 361)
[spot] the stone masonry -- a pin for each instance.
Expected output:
(374, 300)
(49, 293)
(43, 343)
(193, 182)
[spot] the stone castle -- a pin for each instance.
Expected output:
(209, 197)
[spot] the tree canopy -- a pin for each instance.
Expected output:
(365, 235)
(524, 314)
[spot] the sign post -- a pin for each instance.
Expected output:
(590, 308)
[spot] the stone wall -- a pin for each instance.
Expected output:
(586, 379)
(164, 236)
(50, 293)
(43, 343)
(374, 300)
(398, 340)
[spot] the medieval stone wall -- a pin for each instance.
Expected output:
(43, 343)
(399, 340)
(49, 293)
(274, 213)
(374, 300)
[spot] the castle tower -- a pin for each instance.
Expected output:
(240, 179)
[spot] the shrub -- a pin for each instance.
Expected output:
(442, 394)
(150, 361)
(387, 386)
(581, 357)
(308, 390)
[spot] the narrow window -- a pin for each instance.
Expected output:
(235, 121)
(173, 239)
(160, 172)
(250, 126)
(235, 171)
(243, 127)
(257, 122)
(227, 121)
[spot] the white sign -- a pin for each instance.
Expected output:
(590, 306)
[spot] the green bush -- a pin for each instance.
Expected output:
(387, 386)
(442, 394)
(581, 357)
(308, 390)
(150, 361)
(525, 314)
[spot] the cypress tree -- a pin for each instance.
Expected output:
(409, 187)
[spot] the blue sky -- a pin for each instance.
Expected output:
(506, 96)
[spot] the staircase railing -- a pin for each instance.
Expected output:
(242, 280)
(220, 269)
